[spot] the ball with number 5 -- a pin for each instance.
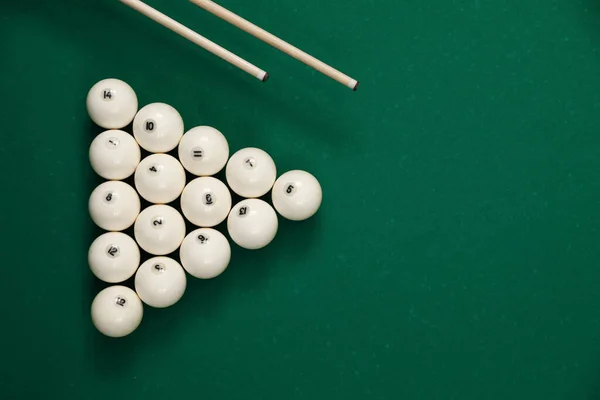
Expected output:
(297, 195)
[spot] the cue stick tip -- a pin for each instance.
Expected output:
(353, 84)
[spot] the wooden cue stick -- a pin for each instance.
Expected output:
(274, 41)
(194, 37)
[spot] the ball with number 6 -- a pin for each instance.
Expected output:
(205, 253)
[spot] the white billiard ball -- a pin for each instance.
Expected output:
(117, 311)
(114, 205)
(112, 104)
(114, 257)
(160, 282)
(159, 178)
(297, 195)
(205, 253)
(159, 229)
(252, 224)
(251, 172)
(158, 127)
(203, 151)
(206, 201)
(114, 154)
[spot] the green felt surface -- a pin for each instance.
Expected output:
(455, 255)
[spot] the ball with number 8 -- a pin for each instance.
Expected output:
(114, 205)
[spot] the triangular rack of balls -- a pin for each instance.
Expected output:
(160, 178)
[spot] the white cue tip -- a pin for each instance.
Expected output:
(353, 84)
(263, 76)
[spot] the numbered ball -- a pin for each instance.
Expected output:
(159, 178)
(297, 195)
(158, 127)
(114, 155)
(114, 205)
(203, 151)
(206, 201)
(112, 104)
(205, 253)
(117, 311)
(252, 224)
(159, 229)
(160, 282)
(114, 257)
(251, 172)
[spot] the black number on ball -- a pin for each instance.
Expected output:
(112, 251)
(203, 239)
